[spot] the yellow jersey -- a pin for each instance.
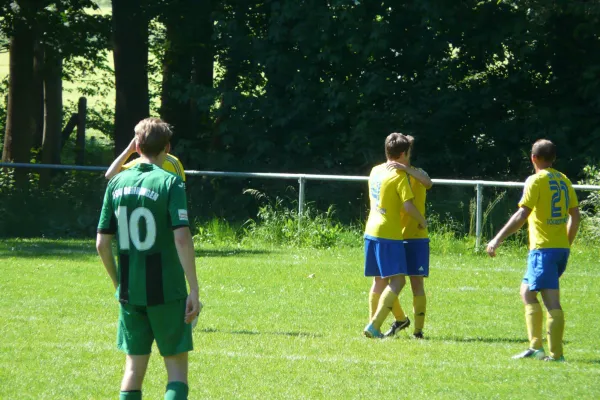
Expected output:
(549, 194)
(171, 164)
(410, 226)
(388, 190)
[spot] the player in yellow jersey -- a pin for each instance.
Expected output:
(389, 192)
(550, 206)
(416, 247)
(171, 163)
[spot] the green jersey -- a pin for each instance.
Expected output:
(142, 206)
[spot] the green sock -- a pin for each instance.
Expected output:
(131, 395)
(176, 391)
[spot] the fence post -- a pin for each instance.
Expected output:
(301, 182)
(479, 214)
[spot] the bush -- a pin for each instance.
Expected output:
(68, 207)
(590, 206)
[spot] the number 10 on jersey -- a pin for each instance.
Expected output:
(129, 228)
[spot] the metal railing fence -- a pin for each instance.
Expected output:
(303, 178)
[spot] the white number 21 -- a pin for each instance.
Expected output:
(129, 229)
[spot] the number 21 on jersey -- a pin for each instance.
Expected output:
(558, 188)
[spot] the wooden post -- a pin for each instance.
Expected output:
(80, 141)
(68, 130)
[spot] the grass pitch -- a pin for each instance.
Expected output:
(286, 324)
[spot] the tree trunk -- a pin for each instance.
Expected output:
(38, 99)
(130, 52)
(20, 123)
(203, 66)
(187, 66)
(53, 110)
(176, 74)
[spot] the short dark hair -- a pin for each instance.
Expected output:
(152, 135)
(411, 140)
(544, 149)
(395, 145)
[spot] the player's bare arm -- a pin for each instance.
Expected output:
(185, 251)
(411, 210)
(104, 247)
(573, 224)
(415, 172)
(513, 225)
(118, 163)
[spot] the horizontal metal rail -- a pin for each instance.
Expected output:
(274, 175)
(302, 178)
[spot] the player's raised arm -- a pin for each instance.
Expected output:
(417, 173)
(421, 176)
(118, 163)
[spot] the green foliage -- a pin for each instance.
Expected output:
(216, 232)
(69, 207)
(316, 86)
(278, 224)
(590, 206)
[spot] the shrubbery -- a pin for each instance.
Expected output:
(590, 205)
(68, 207)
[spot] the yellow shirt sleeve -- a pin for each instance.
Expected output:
(403, 189)
(172, 164)
(531, 193)
(131, 163)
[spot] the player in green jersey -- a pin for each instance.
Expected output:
(145, 207)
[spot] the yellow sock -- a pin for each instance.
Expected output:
(534, 321)
(373, 303)
(385, 306)
(398, 311)
(419, 307)
(555, 323)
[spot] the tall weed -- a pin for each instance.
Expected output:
(279, 224)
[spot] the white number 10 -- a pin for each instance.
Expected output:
(129, 229)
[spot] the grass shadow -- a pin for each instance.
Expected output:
(230, 252)
(46, 248)
(591, 362)
(36, 248)
(479, 339)
(253, 333)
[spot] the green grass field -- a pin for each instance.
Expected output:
(269, 330)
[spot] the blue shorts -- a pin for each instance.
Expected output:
(384, 257)
(544, 267)
(417, 257)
